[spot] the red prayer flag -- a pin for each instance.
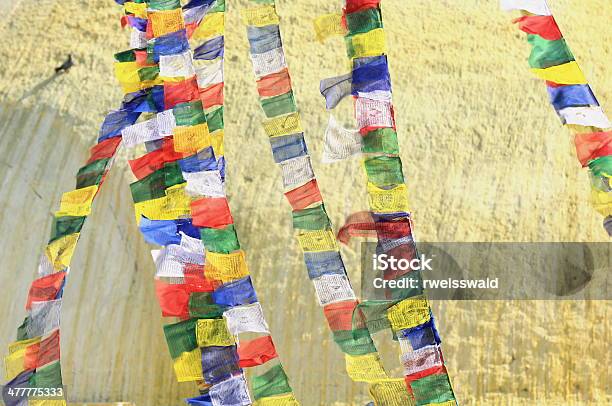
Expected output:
(431, 371)
(256, 352)
(544, 26)
(360, 224)
(104, 149)
(173, 299)
(196, 280)
(304, 196)
(274, 84)
(211, 212)
(593, 145)
(44, 352)
(340, 315)
(180, 92)
(212, 96)
(358, 5)
(155, 160)
(45, 288)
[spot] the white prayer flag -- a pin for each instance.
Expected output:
(268, 62)
(333, 288)
(538, 7)
(340, 143)
(586, 116)
(140, 133)
(296, 171)
(180, 65)
(242, 319)
(204, 183)
(166, 123)
(373, 113)
(210, 74)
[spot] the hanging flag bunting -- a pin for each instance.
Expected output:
(571, 97)
(388, 221)
(180, 204)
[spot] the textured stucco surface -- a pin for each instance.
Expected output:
(484, 155)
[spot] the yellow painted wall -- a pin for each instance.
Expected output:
(485, 158)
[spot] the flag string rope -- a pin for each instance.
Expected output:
(571, 96)
(409, 313)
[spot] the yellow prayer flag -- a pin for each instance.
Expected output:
(388, 201)
(60, 251)
(260, 16)
(371, 43)
(365, 368)
(188, 366)
(328, 25)
(77, 202)
(191, 139)
(566, 74)
(213, 25)
(317, 240)
(282, 400)
(166, 22)
(216, 140)
(176, 204)
(138, 9)
(213, 333)
(602, 201)
(283, 125)
(409, 313)
(390, 393)
(580, 129)
(14, 361)
(226, 267)
(127, 75)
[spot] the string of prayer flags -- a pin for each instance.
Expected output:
(34, 359)
(388, 219)
(180, 204)
(202, 273)
(310, 221)
(570, 95)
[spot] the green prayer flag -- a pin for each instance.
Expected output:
(202, 306)
(154, 185)
(279, 105)
(219, 6)
(432, 389)
(22, 330)
(221, 240)
(66, 225)
(148, 73)
(314, 218)
(355, 342)
(545, 53)
(272, 382)
(364, 21)
(181, 337)
(164, 4)
(126, 56)
(384, 170)
(48, 376)
(601, 166)
(91, 174)
(380, 141)
(215, 119)
(374, 312)
(188, 114)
